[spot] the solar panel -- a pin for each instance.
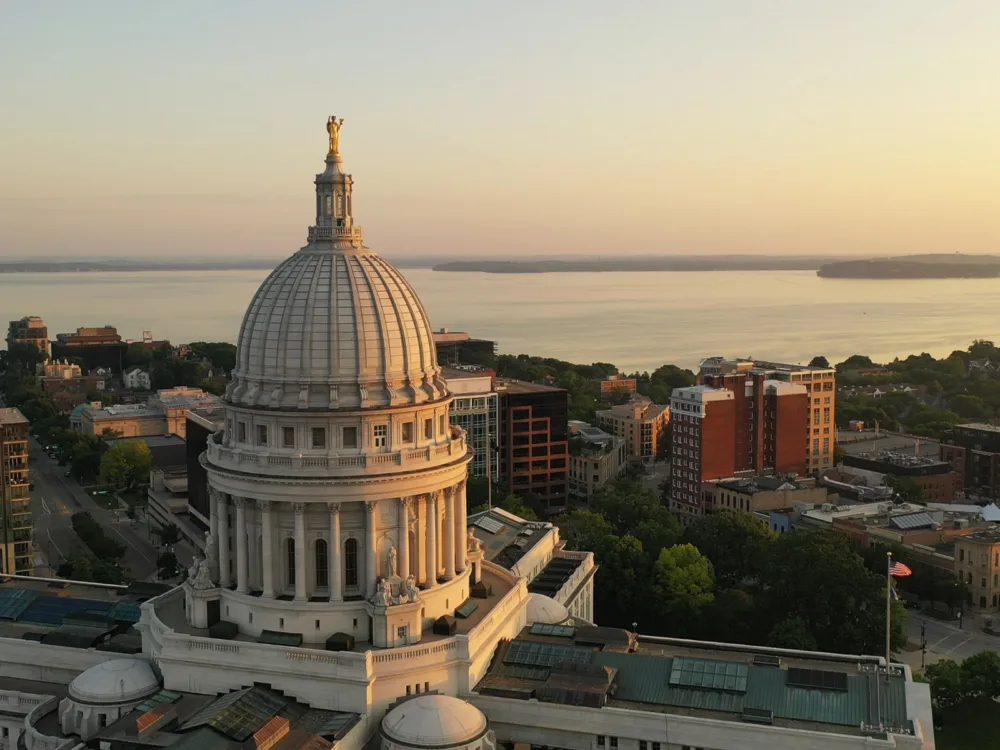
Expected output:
(709, 674)
(50, 610)
(13, 602)
(486, 523)
(125, 612)
(536, 654)
(559, 631)
(817, 679)
(238, 715)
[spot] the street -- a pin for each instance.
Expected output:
(57, 497)
(945, 640)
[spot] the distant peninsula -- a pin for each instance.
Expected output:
(643, 263)
(125, 266)
(939, 266)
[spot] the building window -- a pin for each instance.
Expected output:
(643, 745)
(288, 437)
(318, 437)
(613, 741)
(407, 432)
(428, 428)
(262, 434)
(350, 436)
(443, 425)
(290, 555)
(351, 562)
(379, 434)
(322, 564)
(241, 431)
(600, 740)
(401, 632)
(328, 207)
(961, 555)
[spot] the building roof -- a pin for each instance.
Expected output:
(741, 683)
(12, 415)
(520, 386)
(554, 575)
(434, 721)
(545, 610)
(505, 537)
(153, 441)
(989, 535)
(117, 681)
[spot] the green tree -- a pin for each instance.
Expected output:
(737, 544)
(582, 529)
(981, 674)
(948, 684)
(167, 564)
(819, 361)
(905, 487)
(221, 354)
(126, 464)
(682, 585)
(792, 633)
(618, 586)
(169, 534)
(818, 577)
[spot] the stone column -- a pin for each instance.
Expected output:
(225, 579)
(430, 502)
(267, 549)
(461, 522)
(404, 537)
(420, 527)
(242, 569)
(449, 533)
(214, 498)
(336, 572)
(371, 569)
(300, 552)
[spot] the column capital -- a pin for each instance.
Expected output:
(241, 502)
(264, 505)
(406, 503)
(333, 507)
(461, 485)
(370, 505)
(300, 508)
(449, 492)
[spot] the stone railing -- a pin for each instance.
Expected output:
(35, 740)
(406, 458)
(15, 700)
(485, 630)
(353, 234)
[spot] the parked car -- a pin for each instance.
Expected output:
(68, 473)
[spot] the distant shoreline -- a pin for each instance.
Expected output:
(955, 266)
(639, 264)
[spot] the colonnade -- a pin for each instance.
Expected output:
(436, 520)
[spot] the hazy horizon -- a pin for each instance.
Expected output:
(522, 129)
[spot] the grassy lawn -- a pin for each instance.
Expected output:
(975, 726)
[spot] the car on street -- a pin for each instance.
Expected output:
(68, 473)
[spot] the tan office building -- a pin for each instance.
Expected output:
(977, 564)
(641, 424)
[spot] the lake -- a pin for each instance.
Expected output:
(637, 321)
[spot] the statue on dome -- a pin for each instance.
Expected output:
(333, 128)
(473, 544)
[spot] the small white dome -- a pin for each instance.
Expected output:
(545, 609)
(115, 682)
(437, 721)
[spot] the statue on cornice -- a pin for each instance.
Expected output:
(333, 128)
(410, 589)
(383, 594)
(211, 549)
(393, 562)
(202, 576)
(472, 542)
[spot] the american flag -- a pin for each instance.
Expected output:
(899, 570)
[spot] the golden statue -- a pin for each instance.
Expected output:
(333, 128)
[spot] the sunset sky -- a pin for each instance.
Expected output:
(485, 128)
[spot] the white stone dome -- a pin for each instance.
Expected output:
(118, 681)
(545, 609)
(434, 721)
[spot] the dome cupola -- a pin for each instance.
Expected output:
(335, 326)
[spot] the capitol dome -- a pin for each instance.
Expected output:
(335, 326)
(546, 610)
(434, 721)
(115, 681)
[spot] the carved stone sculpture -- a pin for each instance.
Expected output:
(472, 543)
(393, 561)
(410, 589)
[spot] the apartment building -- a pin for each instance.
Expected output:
(30, 330)
(641, 424)
(819, 383)
(476, 409)
(977, 564)
(15, 496)
(973, 450)
(595, 458)
(703, 448)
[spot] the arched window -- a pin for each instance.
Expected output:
(322, 564)
(329, 205)
(351, 562)
(290, 554)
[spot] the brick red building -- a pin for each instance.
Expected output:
(735, 423)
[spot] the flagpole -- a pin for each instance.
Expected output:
(888, 610)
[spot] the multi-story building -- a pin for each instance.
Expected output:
(702, 427)
(15, 496)
(30, 330)
(977, 564)
(762, 494)
(457, 348)
(202, 423)
(641, 424)
(937, 480)
(476, 409)
(164, 414)
(613, 383)
(97, 347)
(973, 450)
(534, 448)
(595, 458)
(761, 429)
(820, 384)
(136, 378)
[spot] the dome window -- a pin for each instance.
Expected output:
(380, 434)
(288, 437)
(319, 437)
(350, 437)
(407, 432)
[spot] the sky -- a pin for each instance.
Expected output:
(484, 129)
